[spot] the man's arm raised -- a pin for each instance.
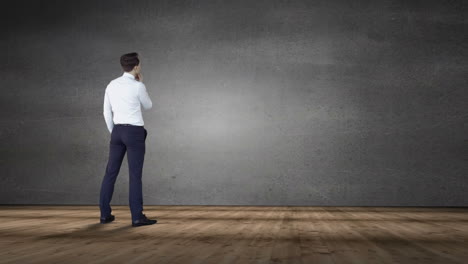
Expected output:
(144, 97)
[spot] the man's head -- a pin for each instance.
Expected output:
(130, 62)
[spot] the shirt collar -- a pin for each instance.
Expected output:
(128, 75)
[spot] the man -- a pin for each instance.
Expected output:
(123, 116)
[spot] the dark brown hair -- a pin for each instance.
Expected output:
(129, 61)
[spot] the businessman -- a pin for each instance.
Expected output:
(123, 99)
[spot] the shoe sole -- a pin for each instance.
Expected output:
(137, 225)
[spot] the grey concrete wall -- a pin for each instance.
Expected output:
(255, 102)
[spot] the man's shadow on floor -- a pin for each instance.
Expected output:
(96, 230)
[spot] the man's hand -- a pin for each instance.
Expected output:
(139, 77)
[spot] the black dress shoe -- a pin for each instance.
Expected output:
(107, 219)
(144, 221)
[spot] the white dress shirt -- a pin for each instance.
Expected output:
(122, 100)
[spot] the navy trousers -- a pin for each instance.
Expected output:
(130, 139)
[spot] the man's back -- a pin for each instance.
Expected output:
(122, 100)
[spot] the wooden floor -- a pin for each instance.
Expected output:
(235, 234)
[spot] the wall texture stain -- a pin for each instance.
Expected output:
(358, 103)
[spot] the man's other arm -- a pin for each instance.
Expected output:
(108, 113)
(144, 97)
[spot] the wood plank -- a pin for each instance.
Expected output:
(235, 234)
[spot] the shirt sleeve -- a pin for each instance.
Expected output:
(144, 97)
(108, 113)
